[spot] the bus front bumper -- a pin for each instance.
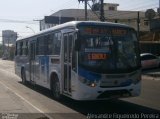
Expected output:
(83, 92)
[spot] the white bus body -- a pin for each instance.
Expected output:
(53, 59)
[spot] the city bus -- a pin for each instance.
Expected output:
(83, 60)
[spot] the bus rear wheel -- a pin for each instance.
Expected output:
(56, 88)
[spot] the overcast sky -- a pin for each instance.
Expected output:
(26, 11)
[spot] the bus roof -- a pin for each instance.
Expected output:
(75, 24)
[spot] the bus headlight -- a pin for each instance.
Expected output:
(88, 82)
(93, 84)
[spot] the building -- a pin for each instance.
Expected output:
(9, 40)
(110, 6)
(149, 30)
(111, 15)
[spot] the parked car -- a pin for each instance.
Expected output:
(149, 60)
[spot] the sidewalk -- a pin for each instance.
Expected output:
(8, 103)
(12, 107)
(12, 103)
(144, 77)
(151, 76)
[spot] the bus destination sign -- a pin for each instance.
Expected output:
(97, 56)
(104, 31)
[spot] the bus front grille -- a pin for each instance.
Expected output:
(114, 94)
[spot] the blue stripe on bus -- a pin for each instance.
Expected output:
(44, 63)
(89, 75)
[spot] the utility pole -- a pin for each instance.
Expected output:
(159, 9)
(40, 24)
(138, 23)
(102, 18)
(86, 15)
(85, 7)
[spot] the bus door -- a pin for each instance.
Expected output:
(67, 55)
(32, 61)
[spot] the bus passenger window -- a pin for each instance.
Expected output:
(56, 43)
(26, 49)
(40, 46)
(16, 50)
(49, 44)
(65, 48)
(20, 48)
(70, 40)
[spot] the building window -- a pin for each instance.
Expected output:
(116, 20)
(129, 21)
(111, 8)
(146, 23)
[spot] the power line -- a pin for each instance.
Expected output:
(17, 21)
(69, 4)
(63, 4)
(23, 32)
(93, 11)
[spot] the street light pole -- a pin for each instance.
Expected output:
(30, 29)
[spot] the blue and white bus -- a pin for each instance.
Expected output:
(84, 60)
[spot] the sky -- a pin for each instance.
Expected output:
(22, 15)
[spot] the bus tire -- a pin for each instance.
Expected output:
(56, 88)
(23, 76)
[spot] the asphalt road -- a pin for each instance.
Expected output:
(25, 101)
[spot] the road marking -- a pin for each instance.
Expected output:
(26, 100)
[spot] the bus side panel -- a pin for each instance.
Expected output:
(17, 66)
(55, 68)
(42, 70)
(21, 62)
(27, 66)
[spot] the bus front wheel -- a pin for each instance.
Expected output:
(56, 88)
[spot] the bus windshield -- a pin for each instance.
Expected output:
(113, 50)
